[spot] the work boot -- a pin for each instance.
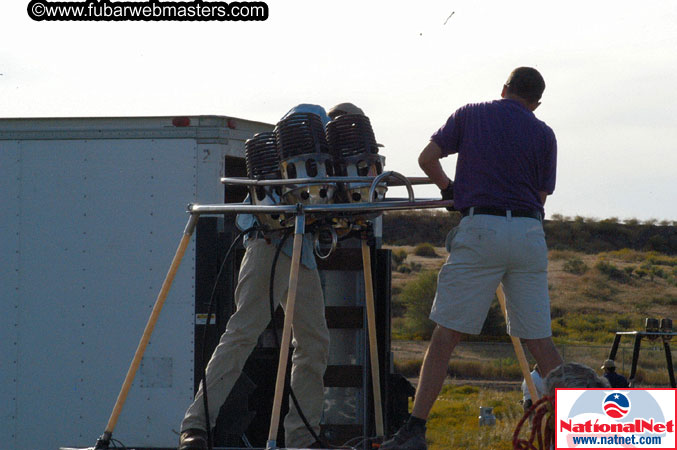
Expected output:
(407, 438)
(193, 439)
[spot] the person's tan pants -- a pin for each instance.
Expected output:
(310, 341)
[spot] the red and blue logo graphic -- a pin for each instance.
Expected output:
(616, 405)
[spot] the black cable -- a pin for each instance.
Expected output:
(271, 299)
(115, 443)
(205, 400)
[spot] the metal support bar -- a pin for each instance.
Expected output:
(373, 343)
(286, 331)
(614, 347)
(668, 360)
(400, 181)
(335, 208)
(635, 358)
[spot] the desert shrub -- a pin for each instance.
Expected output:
(397, 327)
(642, 306)
(398, 256)
(425, 249)
(625, 254)
(624, 323)
(557, 311)
(417, 297)
(409, 268)
(612, 272)
(403, 268)
(408, 368)
(661, 260)
(654, 271)
(599, 289)
(558, 329)
(659, 272)
(658, 243)
(667, 300)
(466, 369)
(641, 272)
(555, 255)
(507, 368)
(575, 266)
(593, 328)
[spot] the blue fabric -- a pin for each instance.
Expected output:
(245, 221)
(309, 108)
(505, 155)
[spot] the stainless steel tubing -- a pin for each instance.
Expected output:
(401, 181)
(391, 174)
(350, 208)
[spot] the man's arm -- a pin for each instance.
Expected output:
(429, 161)
(543, 196)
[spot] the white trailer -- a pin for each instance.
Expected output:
(92, 212)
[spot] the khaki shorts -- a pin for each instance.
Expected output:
(484, 251)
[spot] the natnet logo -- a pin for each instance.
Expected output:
(616, 405)
(609, 418)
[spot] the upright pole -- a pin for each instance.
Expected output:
(668, 359)
(635, 357)
(104, 441)
(373, 344)
(286, 331)
(614, 347)
(519, 351)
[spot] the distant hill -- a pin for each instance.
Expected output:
(579, 234)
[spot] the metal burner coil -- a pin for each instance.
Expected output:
(300, 134)
(350, 135)
(262, 158)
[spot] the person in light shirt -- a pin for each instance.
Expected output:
(527, 401)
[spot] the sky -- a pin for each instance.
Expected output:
(610, 68)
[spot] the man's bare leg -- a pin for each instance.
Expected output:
(546, 355)
(434, 369)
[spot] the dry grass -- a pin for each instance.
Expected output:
(596, 292)
(454, 424)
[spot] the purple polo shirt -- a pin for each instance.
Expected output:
(505, 155)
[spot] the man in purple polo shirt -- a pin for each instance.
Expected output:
(504, 172)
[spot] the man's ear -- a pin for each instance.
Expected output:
(534, 105)
(504, 91)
